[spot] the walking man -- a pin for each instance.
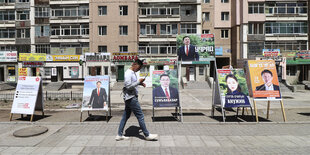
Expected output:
(131, 102)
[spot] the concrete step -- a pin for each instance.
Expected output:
(283, 88)
(7, 86)
(118, 86)
(196, 85)
(54, 86)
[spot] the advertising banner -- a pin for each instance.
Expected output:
(97, 57)
(165, 88)
(124, 56)
(96, 93)
(297, 57)
(160, 61)
(66, 57)
(196, 47)
(32, 56)
(218, 50)
(233, 88)
(22, 71)
(33, 64)
(26, 95)
(264, 79)
(8, 56)
(271, 52)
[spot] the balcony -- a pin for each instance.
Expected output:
(70, 2)
(286, 37)
(42, 39)
(23, 41)
(22, 5)
(256, 37)
(20, 24)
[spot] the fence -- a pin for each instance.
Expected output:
(49, 95)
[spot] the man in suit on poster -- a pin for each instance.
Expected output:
(165, 92)
(188, 51)
(98, 97)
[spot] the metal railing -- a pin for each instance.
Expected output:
(49, 95)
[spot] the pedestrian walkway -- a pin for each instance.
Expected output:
(174, 138)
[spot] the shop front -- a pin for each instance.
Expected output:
(98, 64)
(121, 61)
(8, 66)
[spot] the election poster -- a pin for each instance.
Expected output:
(264, 79)
(198, 47)
(96, 93)
(28, 96)
(233, 88)
(165, 88)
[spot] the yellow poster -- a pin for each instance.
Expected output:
(264, 79)
(22, 71)
(32, 57)
(66, 57)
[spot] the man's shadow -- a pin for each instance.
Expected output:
(134, 131)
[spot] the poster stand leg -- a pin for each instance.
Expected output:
(181, 114)
(268, 108)
(42, 112)
(252, 113)
(11, 115)
(223, 114)
(31, 118)
(81, 117)
(283, 112)
(153, 114)
(255, 109)
(21, 116)
(237, 111)
(107, 116)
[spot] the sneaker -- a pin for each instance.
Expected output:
(118, 138)
(151, 137)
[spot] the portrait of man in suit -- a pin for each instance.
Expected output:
(187, 52)
(98, 97)
(165, 94)
(267, 77)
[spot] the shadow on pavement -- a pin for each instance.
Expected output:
(97, 118)
(190, 114)
(240, 118)
(305, 114)
(134, 131)
(164, 119)
(35, 117)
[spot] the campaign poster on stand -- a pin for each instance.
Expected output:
(233, 88)
(264, 79)
(96, 93)
(165, 88)
(199, 47)
(28, 96)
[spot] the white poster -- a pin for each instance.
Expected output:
(54, 72)
(26, 95)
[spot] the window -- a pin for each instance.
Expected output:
(42, 12)
(102, 10)
(23, 1)
(291, 70)
(42, 31)
(188, 28)
(47, 71)
(123, 10)
(102, 30)
(106, 70)
(102, 49)
(286, 28)
(225, 16)
(205, 31)
(23, 33)
(168, 29)
(74, 71)
(187, 12)
(224, 34)
(151, 11)
(22, 15)
(157, 49)
(201, 70)
(7, 1)
(256, 8)
(44, 48)
(224, 1)
(70, 30)
(7, 15)
(256, 28)
(71, 12)
(286, 8)
(123, 30)
(123, 48)
(287, 46)
(147, 29)
(7, 33)
(206, 16)
(206, 1)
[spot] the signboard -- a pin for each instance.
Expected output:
(8, 56)
(32, 56)
(28, 95)
(271, 52)
(165, 88)
(233, 88)
(33, 64)
(160, 61)
(97, 57)
(297, 57)
(124, 56)
(196, 47)
(264, 79)
(96, 93)
(65, 57)
(219, 50)
(22, 71)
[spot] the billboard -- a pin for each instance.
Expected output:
(196, 47)
(233, 88)
(264, 79)
(96, 93)
(32, 56)
(165, 88)
(8, 56)
(297, 57)
(271, 52)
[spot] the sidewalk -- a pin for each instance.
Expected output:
(174, 138)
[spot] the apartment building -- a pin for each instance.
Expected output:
(277, 24)
(113, 29)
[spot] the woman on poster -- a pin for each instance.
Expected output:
(234, 96)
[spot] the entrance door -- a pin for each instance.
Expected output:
(120, 72)
(60, 73)
(1, 74)
(33, 71)
(191, 73)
